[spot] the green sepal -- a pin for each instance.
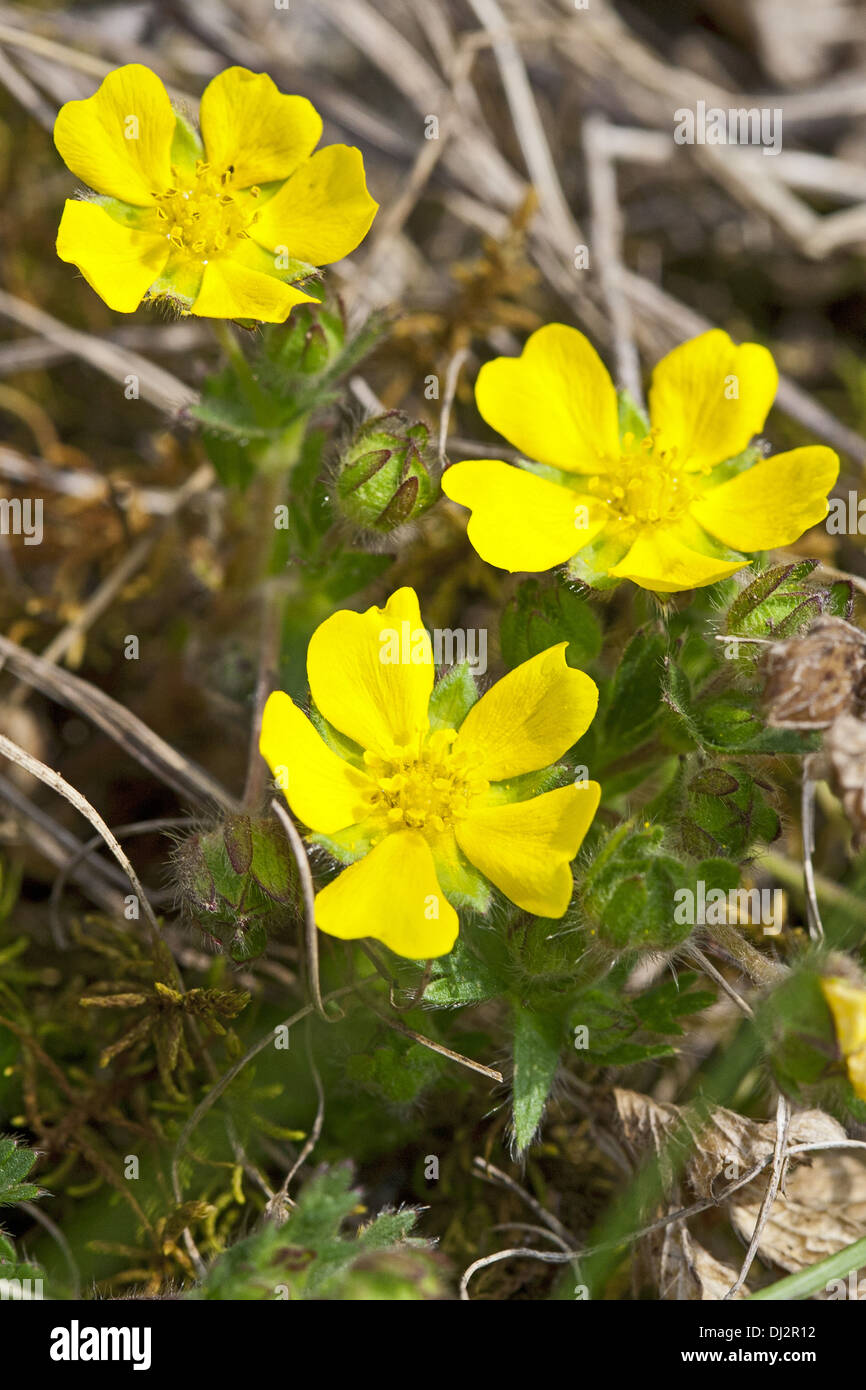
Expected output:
(186, 145)
(346, 846)
(632, 418)
(591, 564)
(463, 884)
(452, 698)
(338, 743)
(527, 785)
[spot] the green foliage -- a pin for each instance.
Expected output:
(396, 1069)
(462, 978)
(778, 603)
(13, 1270)
(621, 1030)
(629, 893)
(15, 1164)
(315, 1254)
(796, 1025)
(251, 411)
(633, 418)
(540, 614)
(724, 811)
(726, 721)
(536, 1057)
(633, 702)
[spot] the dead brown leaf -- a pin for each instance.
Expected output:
(820, 1209)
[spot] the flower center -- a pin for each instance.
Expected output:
(644, 486)
(424, 788)
(204, 218)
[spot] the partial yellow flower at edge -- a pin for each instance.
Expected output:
(220, 225)
(652, 505)
(847, 1004)
(418, 802)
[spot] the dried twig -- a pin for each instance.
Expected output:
(495, 1175)
(783, 1120)
(59, 784)
(607, 252)
(130, 732)
(311, 933)
(155, 384)
(807, 813)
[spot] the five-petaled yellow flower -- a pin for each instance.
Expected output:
(224, 224)
(423, 813)
(666, 506)
(847, 1003)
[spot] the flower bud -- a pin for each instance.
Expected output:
(238, 883)
(311, 340)
(387, 473)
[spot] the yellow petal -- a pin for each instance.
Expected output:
(231, 290)
(393, 895)
(555, 403)
(529, 718)
(371, 674)
(118, 262)
(119, 140)
(693, 404)
(772, 503)
(520, 521)
(526, 847)
(847, 1003)
(322, 212)
(324, 792)
(662, 561)
(248, 123)
(857, 1074)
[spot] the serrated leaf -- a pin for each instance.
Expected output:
(15, 1163)
(542, 614)
(536, 1058)
(461, 978)
(634, 698)
(726, 723)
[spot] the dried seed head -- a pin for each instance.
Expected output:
(815, 679)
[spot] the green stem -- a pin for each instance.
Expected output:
(255, 396)
(816, 1277)
(791, 876)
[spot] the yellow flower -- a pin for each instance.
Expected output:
(654, 504)
(847, 1004)
(222, 224)
(423, 813)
